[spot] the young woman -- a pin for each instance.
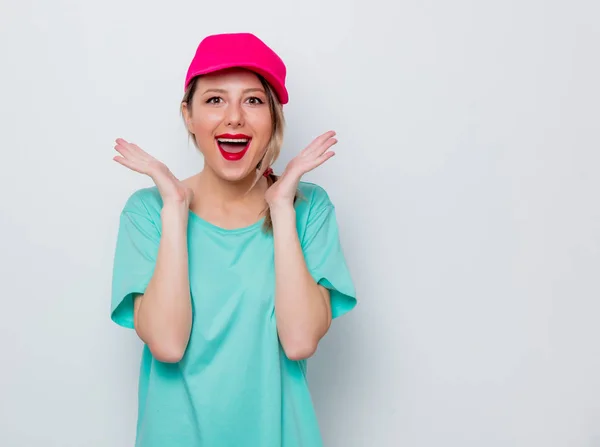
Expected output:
(232, 276)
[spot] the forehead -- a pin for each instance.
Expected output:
(232, 78)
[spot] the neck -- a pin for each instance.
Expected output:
(214, 192)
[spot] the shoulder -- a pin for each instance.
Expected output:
(313, 204)
(145, 202)
(314, 210)
(314, 197)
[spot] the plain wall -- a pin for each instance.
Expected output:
(466, 183)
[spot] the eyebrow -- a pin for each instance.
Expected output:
(220, 90)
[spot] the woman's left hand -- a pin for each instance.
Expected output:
(283, 191)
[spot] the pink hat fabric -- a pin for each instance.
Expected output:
(243, 50)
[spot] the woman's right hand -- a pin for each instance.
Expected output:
(171, 189)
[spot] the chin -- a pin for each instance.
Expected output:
(235, 173)
(235, 165)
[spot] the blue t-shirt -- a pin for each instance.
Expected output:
(234, 387)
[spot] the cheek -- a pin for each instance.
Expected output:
(204, 127)
(261, 124)
(205, 122)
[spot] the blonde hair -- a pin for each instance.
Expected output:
(273, 148)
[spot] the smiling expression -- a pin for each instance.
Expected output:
(231, 120)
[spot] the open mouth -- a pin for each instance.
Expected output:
(233, 147)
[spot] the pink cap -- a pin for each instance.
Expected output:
(243, 50)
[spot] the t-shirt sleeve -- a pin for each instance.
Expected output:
(326, 262)
(134, 259)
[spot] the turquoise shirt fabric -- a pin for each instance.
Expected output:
(234, 387)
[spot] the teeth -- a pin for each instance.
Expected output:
(232, 140)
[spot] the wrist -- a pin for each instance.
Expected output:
(174, 210)
(281, 211)
(282, 206)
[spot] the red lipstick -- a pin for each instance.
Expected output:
(233, 147)
(234, 136)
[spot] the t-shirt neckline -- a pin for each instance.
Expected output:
(210, 226)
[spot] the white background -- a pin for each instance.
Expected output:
(466, 186)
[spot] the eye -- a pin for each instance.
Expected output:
(255, 100)
(213, 100)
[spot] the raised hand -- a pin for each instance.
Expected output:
(170, 188)
(314, 155)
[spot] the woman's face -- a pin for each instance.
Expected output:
(231, 120)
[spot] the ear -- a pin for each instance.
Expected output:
(187, 116)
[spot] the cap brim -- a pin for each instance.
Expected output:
(280, 89)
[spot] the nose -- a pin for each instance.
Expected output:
(234, 116)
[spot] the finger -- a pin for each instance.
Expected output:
(132, 148)
(127, 153)
(318, 141)
(141, 153)
(125, 162)
(138, 150)
(320, 160)
(324, 157)
(123, 150)
(124, 144)
(130, 152)
(319, 150)
(323, 145)
(327, 135)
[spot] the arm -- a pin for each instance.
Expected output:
(163, 314)
(302, 307)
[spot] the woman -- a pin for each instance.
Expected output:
(232, 276)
